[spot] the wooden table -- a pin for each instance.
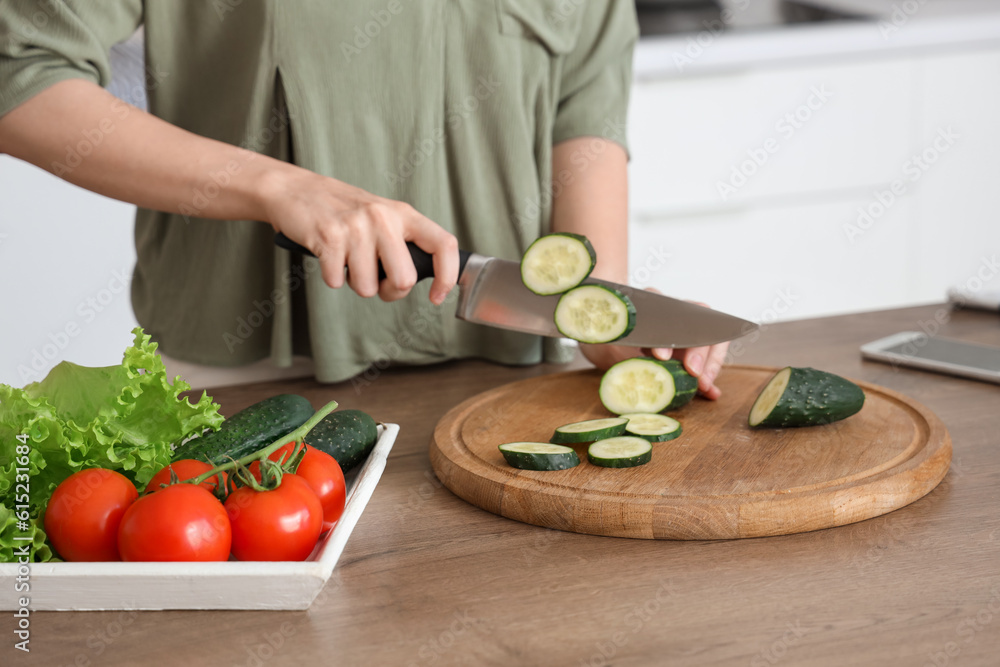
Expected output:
(427, 579)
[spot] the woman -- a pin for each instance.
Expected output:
(350, 127)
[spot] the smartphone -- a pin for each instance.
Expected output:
(953, 357)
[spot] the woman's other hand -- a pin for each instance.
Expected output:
(702, 362)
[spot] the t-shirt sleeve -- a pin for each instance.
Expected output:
(597, 73)
(45, 42)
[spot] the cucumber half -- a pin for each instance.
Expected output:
(646, 385)
(557, 262)
(651, 427)
(590, 430)
(539, 456)
(805, 397)
(622, 452)
(594, 314)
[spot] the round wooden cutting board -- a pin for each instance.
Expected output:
(719, 480)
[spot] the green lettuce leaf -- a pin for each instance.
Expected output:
(124, 418)
(12, 540)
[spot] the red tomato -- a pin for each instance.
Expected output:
(324, 476)
(83, 514)
(184, 469)
(283, 524)
(182, 522)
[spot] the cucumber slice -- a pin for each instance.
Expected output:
(557, 262)
(655, 428)
(590, 430)
(622, 452)
(646, 385)
(805, 397)
(594, 314)
(539, 456)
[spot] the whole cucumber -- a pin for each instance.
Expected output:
(249, 430)
(346, 435)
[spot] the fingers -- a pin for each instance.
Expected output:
(362, 266)
(713, 365)
(694, 360)
(400, 276)
(332, 261)
(346, 227)
(377, 232)
(705, 363)
(444, 248)
(389, 222)
(712, 394)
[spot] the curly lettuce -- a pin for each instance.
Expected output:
(125, 418)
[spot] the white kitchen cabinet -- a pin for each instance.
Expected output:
(780, 263)
(717, 142)
(66, 261)
(910, 139)
(958, 219)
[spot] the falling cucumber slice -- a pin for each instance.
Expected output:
(539, 456)
(622, 452)
(805, 397)
(594, 314)
(590, 430)
(652, 427)
(556, 263)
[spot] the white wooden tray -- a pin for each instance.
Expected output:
(229, 585)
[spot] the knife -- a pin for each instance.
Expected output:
(491, 293)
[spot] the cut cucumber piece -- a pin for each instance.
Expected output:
(805, 397)
(539, 456)
(625, 451)
(590, 430)
(556, 263)
(594, 314)
(655, 428)
(646, 385)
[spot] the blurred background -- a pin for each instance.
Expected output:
(789, 159)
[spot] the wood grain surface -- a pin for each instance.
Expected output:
(429, 580)
(720, 479)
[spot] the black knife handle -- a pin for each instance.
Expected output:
(422, 261)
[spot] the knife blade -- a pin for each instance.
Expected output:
(491, 293)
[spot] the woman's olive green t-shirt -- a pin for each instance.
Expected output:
(450, 105)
